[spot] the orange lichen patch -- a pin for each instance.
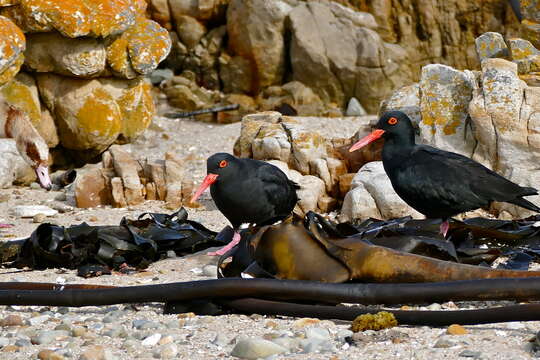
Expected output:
(74, 18)
(11, 71)
(141, 48)
(20, 95)
(137, 107)
(8, 2)
(98, 121)
(26, 24)
(12, 43)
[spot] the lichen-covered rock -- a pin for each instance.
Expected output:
(23, 93)
(12, 45)
(271, 143)
(255, 29)
(137, 108)
(139, 50)
(406, 99)
(51, 52)
(446, 94)
(525, 55)
(491, 45)
(87, 116)
(306, 146)
(249, 130)
(76, 18)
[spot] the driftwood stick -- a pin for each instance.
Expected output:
(185, 114)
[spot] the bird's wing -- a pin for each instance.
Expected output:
(467, 177)
(279, 190)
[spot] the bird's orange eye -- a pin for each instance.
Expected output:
(223, 163)
(392, 121)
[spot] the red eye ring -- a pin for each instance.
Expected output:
(392, 121)
(223, 163)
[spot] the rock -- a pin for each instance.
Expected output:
(199, 9)
(139, 50)
(491, 45)
(271, 143)
(456, 329)
(37, 320)
(444, 342)
(4, 341)
(320, 334)
(87, 116)
(256, 348)
(306, 146)
(74, 19)
(525, 55)
(91, 188)
(189, 30)
(185, 94)
(48, 354)
(446, 94)
(49, 336)
(127, 168)
(117, 193)
(470, 354)
(29, 211)
(249, 130)
(210, 271)
(159, 11)
(96, 352)
(311, 189)
(246, 105)
(39, 218)
(51, 52)
(159, 75)
(255, 29)
(236, 73)
(169, 351)
(359, 204)
(405, 99)
(151, 340)
(13, 43)
(354, 108)
(11, 320)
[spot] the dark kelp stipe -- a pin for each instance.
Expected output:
(311, 265)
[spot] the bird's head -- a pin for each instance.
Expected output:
(392, 124)
(220, 165)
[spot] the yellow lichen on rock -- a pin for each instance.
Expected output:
(12, 70)
(378, 321)
(19, 92)
(12, 44)
(139, 50)
(75, 18)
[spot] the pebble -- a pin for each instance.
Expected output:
(151, 340)
(38, 320)
(220, 339)
(12, 320)
(256, 348)
(300, 323)
(456, 329)
(4, 341)
(342, 335)
(209, 271)
(142, 324)
(168, 351)
(78, 331)
(444, 342)
(291, 344)
(354, 108)
(434, 306)
(318, 334)
(29, 211)
(470, 354)
(97, 352)
(48, 336)
(23, 343)
(11, 348)
(48, 354)
(39, 218)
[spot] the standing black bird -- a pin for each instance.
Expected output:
(437, 183)
(247, 191)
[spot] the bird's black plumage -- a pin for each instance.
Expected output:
(437, 183)
(250, 191)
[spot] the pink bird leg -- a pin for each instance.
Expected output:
(235, 240)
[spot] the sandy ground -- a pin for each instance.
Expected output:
(196, 338)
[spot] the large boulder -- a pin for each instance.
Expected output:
(12, 43)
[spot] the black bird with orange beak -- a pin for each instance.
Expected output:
(247, 191)
(437, 183)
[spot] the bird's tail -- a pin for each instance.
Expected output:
(525, 204)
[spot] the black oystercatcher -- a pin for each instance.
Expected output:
(437, 183)
(247, 191)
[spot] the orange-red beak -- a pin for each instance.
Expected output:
(208, 180)
(376, 134)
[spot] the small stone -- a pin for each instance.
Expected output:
(300, 323)
(470, 354)
(491, 45)
(342, 335)
(49, 336)
(78, 331)
(319, 334)
(48, 354)
(220, 339)
(434, 306)
(166, 340)
(456, 329)
(35, 186)
(186, 315)
(12, 320)
(210, 271)
(142, 324)
(168, 351)
(39, 218)
(444, 342)
(29, 211)
(256, 348)
(151, 340)
(287, 342)
(354, 108)
(23, 343)
(11, 348)
(271, 324)
(4, 341)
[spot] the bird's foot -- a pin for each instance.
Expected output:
(235, 240)
(445, 225)
(5, 226)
